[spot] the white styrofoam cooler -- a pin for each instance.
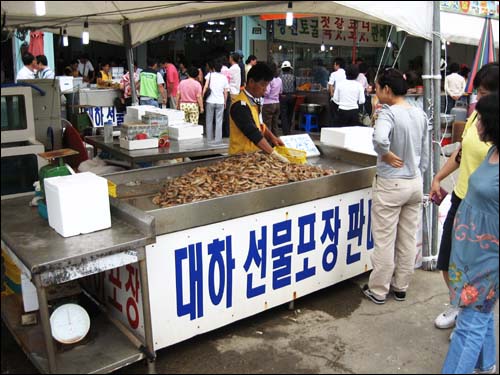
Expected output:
(135, 112)
(78, 203)
(354, 138)
(184, 131)
(175, 116)
(138, 144)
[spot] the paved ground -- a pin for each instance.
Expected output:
(336, 330)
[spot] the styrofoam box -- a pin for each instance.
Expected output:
(138, 144)
(175, 116)
(135, 112)
(77, 203)
(354, 138)
(65, 83)
(185, 130)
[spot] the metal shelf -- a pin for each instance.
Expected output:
(105, 349)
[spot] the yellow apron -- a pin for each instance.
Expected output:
(238, 142)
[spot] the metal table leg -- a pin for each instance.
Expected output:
(148, 330)
(44, 316)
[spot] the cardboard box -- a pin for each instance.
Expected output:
(78, 203)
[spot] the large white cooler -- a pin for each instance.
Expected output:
(78, 203)
(354, 138)
(185, 131)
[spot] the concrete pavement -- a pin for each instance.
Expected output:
(335, 330)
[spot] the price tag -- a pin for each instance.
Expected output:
(301, 142)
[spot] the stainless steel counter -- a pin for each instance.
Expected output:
(177, 149)
(46, 258)
(93, 97)
(41, 249)
(136, 189)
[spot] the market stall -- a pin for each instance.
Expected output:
(220, 260)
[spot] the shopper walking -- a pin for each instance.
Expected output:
(216, 101)
(466, 159)
(271, 106)
(400, 139)
(189, 99)
(454, 85)
(474, 258)
(349, 95)
(287, 99)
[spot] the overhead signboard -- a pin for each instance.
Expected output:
(336, 31)
(472, 8)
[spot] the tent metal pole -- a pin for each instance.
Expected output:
(436, 47)
(426, 233)
(130, 60)
(432, 103)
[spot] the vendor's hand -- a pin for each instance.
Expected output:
(202, 110)
(435, 189)
(278, 142)
(275, 154)
(393, 160)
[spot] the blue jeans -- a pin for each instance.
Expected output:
(473, 343)
(152, 102)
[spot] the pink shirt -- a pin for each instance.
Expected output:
(172, 80)
(189, 89)
(225, 70)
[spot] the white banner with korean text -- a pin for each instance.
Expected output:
(204, 278)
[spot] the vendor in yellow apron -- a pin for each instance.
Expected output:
(247, 132)
(104, 76)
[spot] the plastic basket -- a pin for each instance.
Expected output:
(292, 154)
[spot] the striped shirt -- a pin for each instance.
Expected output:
(288, 80)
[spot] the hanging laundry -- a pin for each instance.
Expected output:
(36, 43)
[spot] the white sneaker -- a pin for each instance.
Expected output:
(492, 370)
(448, 318)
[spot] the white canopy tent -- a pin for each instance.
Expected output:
(463, 29)
(131, 23)
(151, 19)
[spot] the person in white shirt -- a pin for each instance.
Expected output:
(235, 71)
(44, 71)
(348, 95)
(86, 68)
(29, 69)
(216, 101)
(337, 76)
(249, 63)
(454, 85)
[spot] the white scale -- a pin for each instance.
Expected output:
(69, 323)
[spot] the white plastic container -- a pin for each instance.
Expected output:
(135, 112)
(138, 144)
(78, 203)
(185, 131)
(354, 138)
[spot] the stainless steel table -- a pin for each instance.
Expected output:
(47, 259)
(177, 149)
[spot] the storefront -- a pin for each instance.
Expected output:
(315, 40)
